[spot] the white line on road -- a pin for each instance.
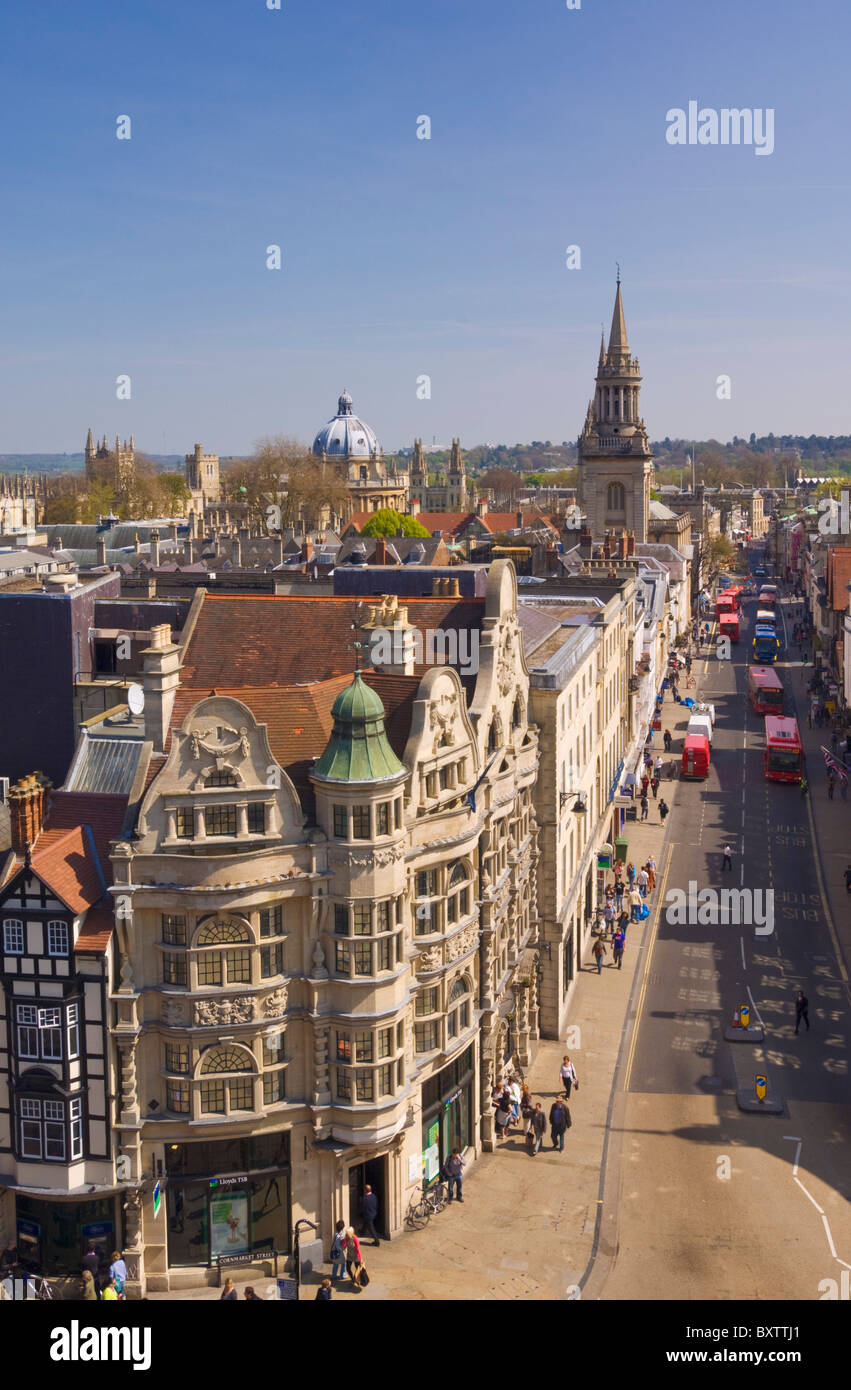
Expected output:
(795, 1139)
(754, 1007)
(742, 944)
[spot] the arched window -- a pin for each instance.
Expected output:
(517, 713)
(460, 987)
(459, 1007)
(459, 875)
(220, 777)
(225, 1059)
(458, 894)
(222, 933)
(615, 497)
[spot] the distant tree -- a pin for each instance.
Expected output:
(175, 492)
(386, 522)
(503, 483)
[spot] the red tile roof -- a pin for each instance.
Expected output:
(71, 855)
(494, 522)
(96, 931)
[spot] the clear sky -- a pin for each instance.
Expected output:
(405, 257)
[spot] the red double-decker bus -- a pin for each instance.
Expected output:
(783, 756)
(765, 690)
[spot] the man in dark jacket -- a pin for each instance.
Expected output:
(369, 1211)
(558, 1124)
(539, 1124)
(802, 1010)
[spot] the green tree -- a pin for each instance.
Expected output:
(386, 522)
(175, 492)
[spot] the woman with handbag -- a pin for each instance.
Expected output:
(336, 1254)
(353, 1256)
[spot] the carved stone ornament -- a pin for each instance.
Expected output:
(211, 1011)
(442, 719)
(319, 971)
(214, 741)
(172, 1012)
(430, 960)
(462, 943)
(275, 1003)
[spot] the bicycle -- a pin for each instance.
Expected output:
(418, 1213)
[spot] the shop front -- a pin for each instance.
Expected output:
(448, 1112)
(227, 1200)
(53, 1236)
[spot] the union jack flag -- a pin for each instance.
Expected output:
(833, 764)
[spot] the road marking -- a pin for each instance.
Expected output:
(794, 1139)
(754, 1007)
(643, 990)
(742, 944)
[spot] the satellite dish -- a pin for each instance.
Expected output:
(136, 698)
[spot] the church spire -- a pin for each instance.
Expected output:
(618, 342)
(602, 359)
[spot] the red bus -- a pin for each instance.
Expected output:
(765, 690)
(728, 625)
(783, 756)
(735, 595)
(724, 603)
(766, 598)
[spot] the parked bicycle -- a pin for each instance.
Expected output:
(425, 1204)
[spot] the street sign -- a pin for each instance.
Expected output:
(745, 1015)
(287, 1289)
(760, 1086)
(157, 1200)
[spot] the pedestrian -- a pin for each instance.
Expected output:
(110, 1292)
(645, 807)
(598, 952)
(609, 915)
(118, 1270)
(635, 903)
(559, 1121)
(843, 788)
(515, 1094)
(831, 784)
(645, 783)
(802, 1010)
(503, 1117)
(92, 1262)
(654, 785)
(336, 1254)
(650, 866)
(455, 1174)
(848, 879)
(229, 1292)
(567, 1074)
(618, 894)
(688, 664)
(623, 923)
(805, 787)
(89, 1293)
(618, 943)
(630, 873)
(643, 881)
(369, 1211)
(251, 1297)
(527, 1109)
(353, 1255)
(727, 861)
(834, 739)
(666, 739)
(9, 1257)
(675, 693)
(657, 767)
(539, 1125)
(323, 1293)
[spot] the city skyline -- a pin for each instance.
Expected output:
(405, 257)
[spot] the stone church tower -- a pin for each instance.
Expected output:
(615, 463)
(123, 460)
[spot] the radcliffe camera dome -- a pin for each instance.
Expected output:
(346, 436)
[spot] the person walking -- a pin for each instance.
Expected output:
(654, 785)
(645, 807)
(118, 1272)
(618, 943)
(369, 1211)
(630, 873)
(455, 1174)
(635, 904)
(539, 1125)
(516, 1096)
(727, 861)
(598, 952)
(645, 783)
(503, 1116)
(848, 879)
(353, 1255)
(567, 1075)
(92, 1263)
(89, 1292)
(623, 923)
(805, 787)
(110, 1293)
(336, 1254)
(527, 1109)
(667, 740)
(559, 1120)
(609, 915)
(650, 866)
(831, 784)
(643, 882)
(251, 1297)
(323, 1293)
(229, 1293)
(802, 1010)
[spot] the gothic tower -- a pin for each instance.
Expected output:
(615, 463)
(457, 480)
(419, 475)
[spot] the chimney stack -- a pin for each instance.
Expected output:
(482, 507)
(306, 550)
(415, 507)
(187, 551)
(586, 542)
(155, 548)
(100, 550)
(607, 545)
(160, 679)
(380, 556)
(27, 803)
(518, 517)
(236, 552)
(630, 543)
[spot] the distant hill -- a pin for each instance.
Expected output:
(72, 463)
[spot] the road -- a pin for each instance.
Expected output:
(702, 1200)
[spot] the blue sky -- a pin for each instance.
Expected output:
(404, 257)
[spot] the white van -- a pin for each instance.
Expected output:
(701, 725)
(703, 708)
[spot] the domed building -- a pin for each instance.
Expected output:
(372, 483)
